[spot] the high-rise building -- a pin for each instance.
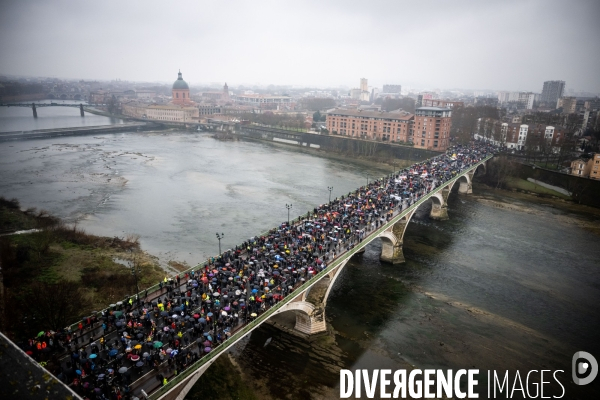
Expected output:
(364, 90)
(551, 92)
(392, 88)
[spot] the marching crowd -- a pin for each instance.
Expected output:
(190, 315)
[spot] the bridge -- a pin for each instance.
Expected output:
(34, 106)
(307, 300)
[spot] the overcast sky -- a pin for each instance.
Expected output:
(501, 45)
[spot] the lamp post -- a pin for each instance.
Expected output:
(219, 237)
(134, 272)
(330, 188)
(288, 206)
(367, 179)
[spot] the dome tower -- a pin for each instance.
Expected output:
(181, 91)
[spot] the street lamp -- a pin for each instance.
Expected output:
(134, 272)
(288, 206)
(330, 188)
(367, 179)
(219, 237)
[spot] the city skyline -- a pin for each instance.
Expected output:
(459, 44)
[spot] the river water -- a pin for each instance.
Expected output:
(506, 283)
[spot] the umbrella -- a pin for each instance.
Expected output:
(164, 313)
(166, 329)
(78, 372)
(92, 356)
(209, 314)
(41, 333)
(139, 364)
(118, 323)
(174, 353)
(169, 350)
(196, 316)
(100, 377)
(137, 346)
(112, 353)
(253, 315)
(122, 370)
(227, 308)
(206, 343)
(206, 334)
(224, 313)
(207, 349)
(216, 294)
(157, 344)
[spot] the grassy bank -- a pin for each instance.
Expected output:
(63, 266)
(523, 185)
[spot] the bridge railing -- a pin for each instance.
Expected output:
(308, 284)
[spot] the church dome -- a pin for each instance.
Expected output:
(180, 83)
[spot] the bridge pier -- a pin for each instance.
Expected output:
(392, 241)
(309, 306)
(81, 110)
(439, 206)
(466, 183)
(34, 110)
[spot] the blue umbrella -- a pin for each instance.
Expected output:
(206, 334)
(255, 291)
(78, 372)
(209, 314)
(92, 356)
(202, 320)
(209, 338)
(112, 353)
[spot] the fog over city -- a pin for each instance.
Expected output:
(501, 45)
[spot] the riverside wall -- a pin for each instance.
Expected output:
(352, 147)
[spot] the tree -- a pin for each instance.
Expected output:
(112, 105)
(56, 305)
(317, 116)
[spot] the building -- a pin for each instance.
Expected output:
(595, 167)
(374, 125)
(374, 94)
(181, 91)
(180, 109)
(431, 128)
(172, 113)
(551, 92)
(364, 90)
(581, 167)
(263, 101)
(441, 103)
(209, 109)
(392, 89)
(568, 105)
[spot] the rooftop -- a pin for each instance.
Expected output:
(373, 114)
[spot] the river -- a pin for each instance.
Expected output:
(506, 283)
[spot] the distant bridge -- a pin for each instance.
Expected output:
(34, 106)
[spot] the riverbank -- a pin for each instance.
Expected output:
(93, 270)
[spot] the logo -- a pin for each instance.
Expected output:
(584, 368)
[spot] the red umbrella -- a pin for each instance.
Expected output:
(196, 316)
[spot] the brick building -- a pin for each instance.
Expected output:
(428, 128)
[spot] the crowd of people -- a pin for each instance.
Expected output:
(193, 313)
